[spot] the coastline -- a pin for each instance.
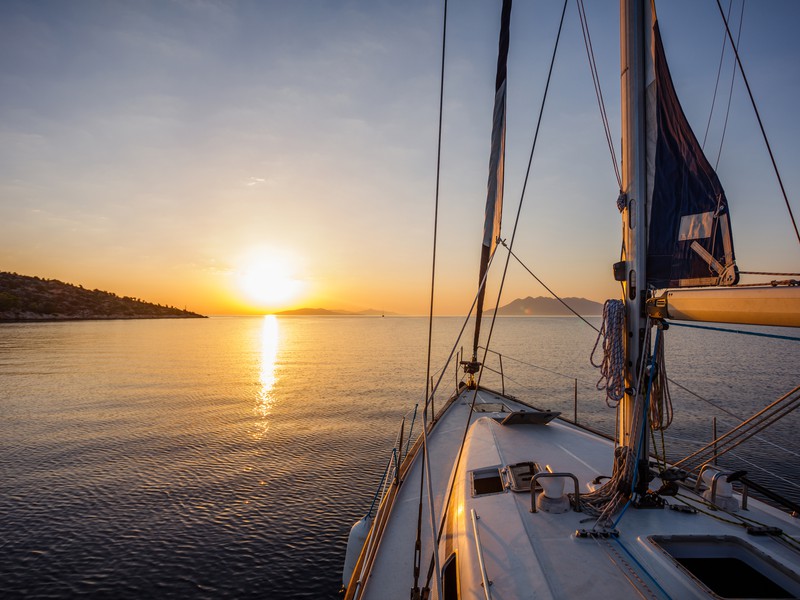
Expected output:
(57, 318)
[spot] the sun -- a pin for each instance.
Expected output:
(268, 279)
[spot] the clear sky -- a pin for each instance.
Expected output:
(246, 156)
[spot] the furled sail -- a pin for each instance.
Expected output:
(689, 235)
(494, 194)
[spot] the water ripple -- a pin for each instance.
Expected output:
(218, 459)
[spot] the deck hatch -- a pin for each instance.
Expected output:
(519, 476)
(487, 481)
(730, 567)
(527, 417)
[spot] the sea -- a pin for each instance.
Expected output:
(228, 457)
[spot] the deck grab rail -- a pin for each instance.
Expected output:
(487, 592)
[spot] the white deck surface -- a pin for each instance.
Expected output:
(537, 554)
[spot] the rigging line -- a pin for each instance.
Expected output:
(505, 269)
(454, 349)
(707, 401)
(771, 419)
(426, 467)
(426, 459)
(436, 200)
(497, 157)
(527, 364)
(760, 123)
(777, 446)
(757, 415)
(587, 42)
(438, 533)
(739, 331)
(785, 480)
(701, 505)
(787, 282)
(769, 273)
(645, 415)
(760, 439)
(522, 197)
(597, 90)
(418, 541)
(410, 434)
(533, 144)
(378, 491)
(519, 383)
(739, 435)
(736, 518)
(646, 398)
(716, 84)
(544, 285)
(512, 380)
(730, 92)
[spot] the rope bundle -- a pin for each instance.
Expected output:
(660, 400)
(612, 330)
(607, 500)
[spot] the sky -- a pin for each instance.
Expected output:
(244, 156)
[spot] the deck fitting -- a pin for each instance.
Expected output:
(595, 534)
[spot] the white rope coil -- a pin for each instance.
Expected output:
(612, 373)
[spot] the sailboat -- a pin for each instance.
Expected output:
(497, 498)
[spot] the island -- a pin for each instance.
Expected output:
(24, 298)
(324, 312)
(550, 307)
(525, 307)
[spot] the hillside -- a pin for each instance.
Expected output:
(541, 306)
(24, 298)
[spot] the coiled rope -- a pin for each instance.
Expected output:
(661, 411)
(612, 331)
(611, 497)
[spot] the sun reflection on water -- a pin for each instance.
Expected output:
(265, 399)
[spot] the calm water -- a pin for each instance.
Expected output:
(227, 458)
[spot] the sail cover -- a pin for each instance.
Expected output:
(689, 236)
(494, 192)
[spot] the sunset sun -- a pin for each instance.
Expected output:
(269, 280)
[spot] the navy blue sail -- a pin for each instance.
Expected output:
(690, 242)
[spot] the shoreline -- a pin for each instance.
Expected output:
(56, 319)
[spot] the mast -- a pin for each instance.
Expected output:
(633, 48)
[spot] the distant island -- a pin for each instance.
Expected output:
(324, 312)
(531, 307)
(548, 307)
(24, 298)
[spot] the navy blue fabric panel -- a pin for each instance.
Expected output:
(685, 184)
(502, 55)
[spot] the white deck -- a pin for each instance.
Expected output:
(537, 554)
(392, 574)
